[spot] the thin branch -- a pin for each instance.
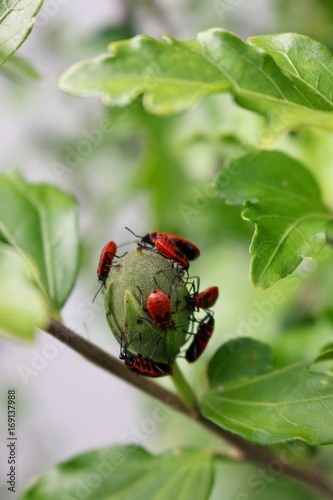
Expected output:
(246, 450)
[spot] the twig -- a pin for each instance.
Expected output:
(248, 451)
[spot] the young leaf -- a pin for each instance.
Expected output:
(16, 22)
(239, 359)
(172, 76)
(40, 221)
(175, 76)
(283, 200)
(22, 306)
(121, 472)
(306, 62)
(259, 84)
(283, 405)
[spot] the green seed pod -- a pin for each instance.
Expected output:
(128, 287)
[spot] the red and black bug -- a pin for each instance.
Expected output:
(190, 250)
(145, 366)
(171, 251)
(171, 246)
(159, 308)
(204, 332)
(105, 261)
(205, 299)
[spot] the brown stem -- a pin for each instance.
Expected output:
(248, 451)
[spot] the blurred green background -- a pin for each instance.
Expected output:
(152, 173)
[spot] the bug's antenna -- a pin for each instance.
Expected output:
(130, 230)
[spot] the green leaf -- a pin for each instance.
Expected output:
(292, 403)
(326, 354)
(239, 359)
(127, 472)
(22, 306)
(19, 70)
(16, 21)
(283, 200)
(175, 76)
(172, 76)
(307, 63)
(259, 84)
(40, 221)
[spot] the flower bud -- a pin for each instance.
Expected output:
(128, 287)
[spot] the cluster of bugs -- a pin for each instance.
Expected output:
(158, 305)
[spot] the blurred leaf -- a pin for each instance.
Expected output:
(326, 354)
(40, 221)
(279, 488)
(16, 22)
(18, 68)
(160, 166)
(237, 360)
(22, 306)
(292, 403)
(129, 472)
(99, 39)
(283, 200)
(175, 76)
(312, 338)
